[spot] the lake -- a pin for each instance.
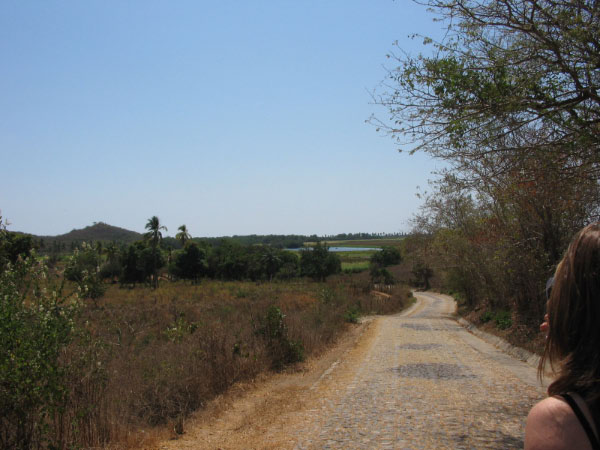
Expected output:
(343, 249)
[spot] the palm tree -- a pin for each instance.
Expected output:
(98, 248)
(271, 261)
(154, 227)
(112, 252)
(183, 235)
(155, 237)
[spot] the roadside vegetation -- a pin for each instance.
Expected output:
(114, 340)
(508, 101)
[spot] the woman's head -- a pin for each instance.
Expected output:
(573, 345)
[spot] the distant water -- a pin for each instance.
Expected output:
(342, 249)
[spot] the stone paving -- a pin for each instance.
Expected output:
(422, 384)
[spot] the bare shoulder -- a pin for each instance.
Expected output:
(551, 408)
(552, 425)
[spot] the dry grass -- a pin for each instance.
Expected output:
(150, 358)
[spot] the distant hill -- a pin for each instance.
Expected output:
(100, 231)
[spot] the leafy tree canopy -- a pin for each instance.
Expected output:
(191, 262)
(387, 256)
(511, 77)
(13, 246)
(318, 263)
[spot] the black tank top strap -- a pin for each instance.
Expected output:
(584, 422)
(595, 411)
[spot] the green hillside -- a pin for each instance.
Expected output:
(100, 231)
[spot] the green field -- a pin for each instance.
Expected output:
(355, 260)
(355, 256)
(355, 266)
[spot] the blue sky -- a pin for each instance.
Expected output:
(232, 117)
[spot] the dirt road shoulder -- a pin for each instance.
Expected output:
(239, 418)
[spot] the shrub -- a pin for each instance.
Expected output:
(352, 314)
(36, 324)
(133, 266)
(503, 319)
(241, 293)
(110, 270)
(318, 263)
(327, 295)
(387, 256)
(13, 245)
(82, 268)
(190, 263)
(422, 274)
(380, 275)
(274, 330)
(288, 270)
(352, 270)
(84, 260)
(487, 316)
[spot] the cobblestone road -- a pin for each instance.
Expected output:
(424, 383)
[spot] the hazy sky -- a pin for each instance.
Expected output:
(232, 117)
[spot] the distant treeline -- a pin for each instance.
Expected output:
(287, 240)
(153, 256)
(143, 262)
(272, 240)
(105, 234)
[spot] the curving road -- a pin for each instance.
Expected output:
(416, 380)
(423, 383)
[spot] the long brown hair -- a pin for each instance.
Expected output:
(573, 344)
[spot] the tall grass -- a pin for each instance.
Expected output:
(149, 357)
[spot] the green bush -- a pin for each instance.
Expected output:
(190, 263)
(318, 263)
(351, 270)
(241, 293)
(422, 274)
(380, 275)
(327, 295)
(294, 352)
(36, 325)
(387, 256)
(82, 268)
(13, 246)
(283, 351)
(352, 314)
(288, 270)
(487, 316)
(110, 270)
(84, 260)
(503, 320)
